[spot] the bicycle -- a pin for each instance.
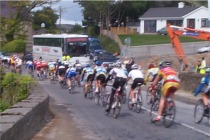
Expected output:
(156, 94)
(138, 98)
(199, 112)
(53, 77)
(169, 111)
(63, 83)
(73, 85)
(116, 105)
(100, 96)
(90, 90)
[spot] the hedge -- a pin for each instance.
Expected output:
(14, 46)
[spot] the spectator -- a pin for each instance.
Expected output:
(129, 64)
(203, 66)
(197, 68)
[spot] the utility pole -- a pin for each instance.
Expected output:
(60, 19)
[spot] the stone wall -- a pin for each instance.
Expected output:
(24, 119)
(190, 81)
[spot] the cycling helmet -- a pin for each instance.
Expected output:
(87, 65)
(98, 63)
(134, 66)
(65, 62)
(208, 70)
(77, 61)
(111, 65)
(118, 64)
(164, 64)
(151, 66)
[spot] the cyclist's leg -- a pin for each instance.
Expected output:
(205, 98)
(114, 87)
(133, 86)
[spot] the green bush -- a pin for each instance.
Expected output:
(15, 88)
(109, 45)
(17, 45)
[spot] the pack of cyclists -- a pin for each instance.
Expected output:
(101, 74)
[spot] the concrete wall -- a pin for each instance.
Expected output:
(24, 119)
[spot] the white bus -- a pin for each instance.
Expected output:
(53, 46)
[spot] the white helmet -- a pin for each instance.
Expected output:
(134, 66)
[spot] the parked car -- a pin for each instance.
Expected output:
(27, 57)
(92, 48)
(108, 58)
(162, 31)
(5, 57)
(205, 49)
(97, 53)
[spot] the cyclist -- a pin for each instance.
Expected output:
(99, 74)
(137, 77)
(120, 80)
(152, 70)
(70, 73)
(30, 65)
(79, 68)
(204, 81)
(18, 64)
(170, 85)
(52, 68)
(61, 71)
(87, 74)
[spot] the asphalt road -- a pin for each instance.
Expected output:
(80, 118)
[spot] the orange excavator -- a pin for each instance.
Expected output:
(175, 31)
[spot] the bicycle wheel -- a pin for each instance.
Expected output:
(97, 98)
(169, 113)
(154, 109)
(130, 106)
(139, 103)
(117, 109)
(148, 97)
(199, 111)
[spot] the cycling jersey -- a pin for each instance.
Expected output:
(99, 70)
(51, 66)
(71, 72)
(153, 72)
(171, 81)
(135, 74)
(78, 68)
(204, 81)
(118, 72)
(87, 74)
(29, 64)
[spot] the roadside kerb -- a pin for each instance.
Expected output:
(24, 119)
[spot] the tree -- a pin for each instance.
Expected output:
(23, 10)
(47, 16)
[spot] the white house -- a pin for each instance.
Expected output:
(184, 16)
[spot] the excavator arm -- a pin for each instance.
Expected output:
(174, 32)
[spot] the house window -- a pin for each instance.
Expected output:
(176, 22)
(150, 26)
(191, 23)
(205, 22)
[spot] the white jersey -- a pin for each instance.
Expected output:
(88, 70)
(18, 62)
(118, 72)
(136, 73)
(29, 62)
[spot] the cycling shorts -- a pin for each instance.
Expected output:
(119, 82)
(169, 88)
(71, 74)
(102, 78)
(90, 77)
(61, 71)
(136, 81)
(79, 71)
(30, 66)
(207, 90)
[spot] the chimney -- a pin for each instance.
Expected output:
(181, 5)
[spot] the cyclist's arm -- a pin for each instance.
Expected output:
(146, 76)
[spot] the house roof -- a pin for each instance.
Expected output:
(168, 12)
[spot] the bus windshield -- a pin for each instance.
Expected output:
(76, 49)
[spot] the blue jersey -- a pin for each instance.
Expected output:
(100, 70)
(71, 72)
(204, 81)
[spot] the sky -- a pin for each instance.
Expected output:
(72, 12)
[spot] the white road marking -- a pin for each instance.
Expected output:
(188, 126)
